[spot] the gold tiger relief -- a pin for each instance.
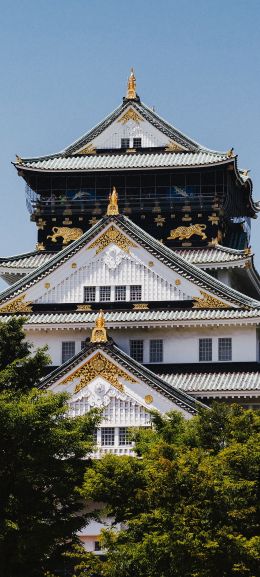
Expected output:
(183, 232)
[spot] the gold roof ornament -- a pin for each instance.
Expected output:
(112, 208)
(131, 86)
(230, 153)
(99, 333)
(18, 159)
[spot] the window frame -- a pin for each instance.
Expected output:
(94, 291)
(119, 288)
(132, 295)
(104, 288)
(206, 352)
(138, 355)
(126, 142)
(158, 353)
(226, 349)
(66, 356)
(105, 432)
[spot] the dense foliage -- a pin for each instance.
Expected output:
(41, 452)
(189, 506)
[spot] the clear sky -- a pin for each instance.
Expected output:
(65, 63)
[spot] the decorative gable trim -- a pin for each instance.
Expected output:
(98, 365)
(112, 235)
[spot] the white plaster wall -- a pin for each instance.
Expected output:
(97, 273)
(111, 137)
(181, 345)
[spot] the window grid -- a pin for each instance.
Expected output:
(68, 350)
(135, 292)
(124, 436)
(156, 351)
(104, 293)
(107, 436)
(125, 142)
(120, 293)
(205, 350)
(225, 349)
(137, 143)
(90, 294)
(137, 350)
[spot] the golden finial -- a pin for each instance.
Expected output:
(131, 86)
(245, 172)
(18, 159)
(230, 153)
(112, 208)
(99, 333)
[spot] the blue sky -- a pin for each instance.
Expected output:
(64, 66)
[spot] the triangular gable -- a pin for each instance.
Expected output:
(115, 243)
(131, 123)
(102, 373)
(132, 119)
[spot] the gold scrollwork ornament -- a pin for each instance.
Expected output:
(112, 235)
(101, 366)
(19, 305)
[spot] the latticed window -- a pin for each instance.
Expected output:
(124, 436)
(137, 350)
(120, 293)
(137, 143)
(89, 294)
(68, 350)
(105, 293)
(205, 350)
(107, 436)
(135, 292)
(156, 351)
(225, 349)
(125, 142)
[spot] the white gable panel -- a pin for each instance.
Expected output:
(129, 128)
(119, 408)
(113, 268)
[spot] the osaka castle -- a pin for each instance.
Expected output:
(142, 283)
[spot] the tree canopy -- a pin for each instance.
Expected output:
(188, 504)
(41, 452)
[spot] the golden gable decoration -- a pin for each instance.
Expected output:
(207, 301)
(130, 114)
(174, 147)
(89, 149)
(98, 366)
(19, 305)
(112, 235)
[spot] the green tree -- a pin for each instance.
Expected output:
(41, 452)
(189, 505)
